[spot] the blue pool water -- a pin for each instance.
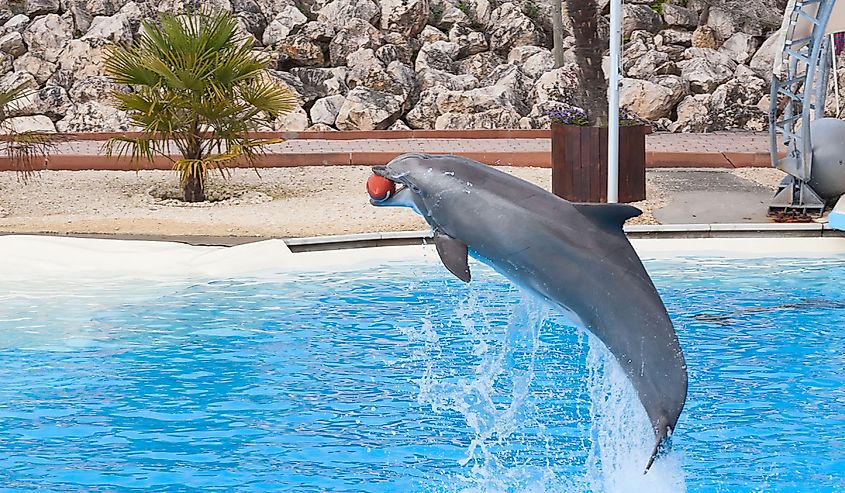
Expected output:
(401, 379)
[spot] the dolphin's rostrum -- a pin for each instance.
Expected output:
(573, 255)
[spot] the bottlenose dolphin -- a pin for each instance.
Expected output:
(573, 255)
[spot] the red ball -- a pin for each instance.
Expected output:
(380, 188)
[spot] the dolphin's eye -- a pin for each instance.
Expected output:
(414, 188)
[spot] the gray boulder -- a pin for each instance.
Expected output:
(34, 123)
(356, 34)
(480, 65)
(675, 15)
(317, 83)
(406, 17)
(283, 25)
(325, 110)
(41, 69)
(646, 99)
(439, 55)
(431, 78)
(639, 18)
(339, 12)
(12, 43)
(468, 40)
(94, 117)
(367, 109)
(490, 119)
(508, 28)
(47, 36)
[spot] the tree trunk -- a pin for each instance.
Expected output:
(193, 190)
(589, 50)
(557, 31)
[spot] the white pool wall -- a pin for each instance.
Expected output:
(24, 256)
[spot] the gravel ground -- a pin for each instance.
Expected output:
(284, 202)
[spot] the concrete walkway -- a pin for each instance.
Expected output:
(516, 148)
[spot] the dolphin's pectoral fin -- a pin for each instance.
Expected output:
(662, 432)
(453, 254)
(611, 216)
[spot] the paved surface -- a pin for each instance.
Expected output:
(717, 142)
(711, 196)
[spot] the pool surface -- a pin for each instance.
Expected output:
(400, 378)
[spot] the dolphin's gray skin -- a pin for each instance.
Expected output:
(573, 255)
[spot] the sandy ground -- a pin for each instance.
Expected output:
(286, 202)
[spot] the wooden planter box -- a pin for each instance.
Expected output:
(579, 163)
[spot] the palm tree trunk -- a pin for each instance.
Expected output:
(557, 32)
(193, 189)
(589, 49)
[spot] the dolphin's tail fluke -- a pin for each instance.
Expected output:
(662, 433)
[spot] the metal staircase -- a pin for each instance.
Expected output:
(800, 81)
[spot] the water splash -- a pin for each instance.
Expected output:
(494, 399)
(490, 389)
(620, 434)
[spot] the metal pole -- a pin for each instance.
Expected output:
(835, 73)
(613, 102)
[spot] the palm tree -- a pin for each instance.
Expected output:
(198, 86)
(25, 150)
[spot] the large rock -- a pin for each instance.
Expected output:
(678, 16)
(735, 102)
(318, 83)
(509, 27)
(538, 64)
(480, 65)
(339, 12)
(521, 54)
(763, 61)
(639, 18)
(395, 53)
(95, 88)
(740, 47)
(512, 78)
(40, 7)
(21, 124)
(283, 24)
(299, 51)
(94, 117)
(477, 100)
(490, 119)
(16, 23)
(647, 65)
(83, 11)
(12, 43)
(325, 110)
(366, 109)
(356, 34)
(706, 71)
(53, 101)
(439, 55)
(431, 78)
(41, 69)
(646, 99)
(47, 36)
(407, 17)
(451, 16)
(14, 80)
(83, 58)
(468, 40)
(295, 120)
(366, 70)
(431, 34)
(723, 22)
(693, 114)
(114, 29)
(675, 37)
(560, 84)
(424, 114)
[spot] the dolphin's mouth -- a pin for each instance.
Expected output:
(397, 197)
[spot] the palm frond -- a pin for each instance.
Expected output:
(198, 84)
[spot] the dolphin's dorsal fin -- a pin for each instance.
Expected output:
(611, 216)
(453, 254)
